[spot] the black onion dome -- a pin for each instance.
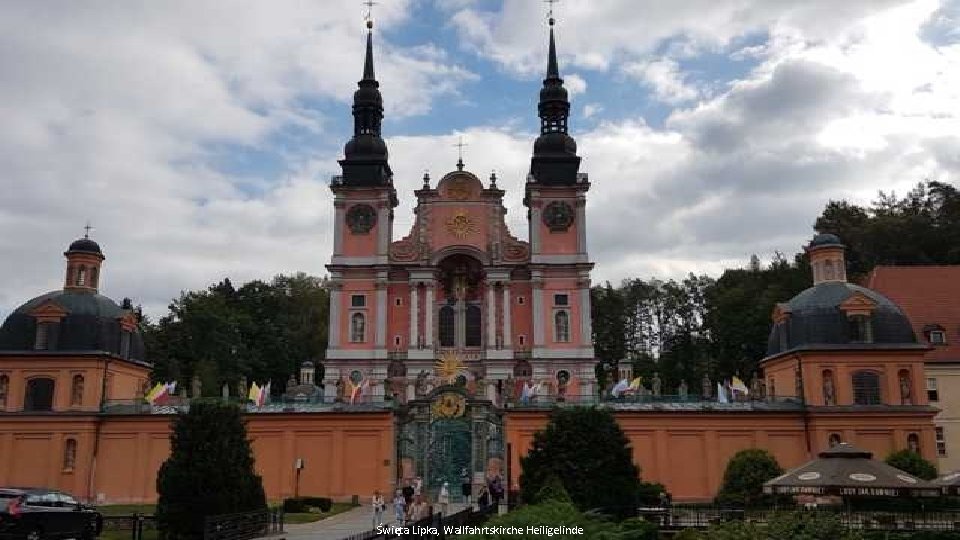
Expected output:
(92, 323)
(85, 245)
(555, 143)
(365, 145)
(816, 321)
(826, 239)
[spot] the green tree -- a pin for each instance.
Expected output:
(746, 472)
(209, 472)
(793, 526)
(912, 463)
(588, 452)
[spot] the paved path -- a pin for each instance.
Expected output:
(341, 526)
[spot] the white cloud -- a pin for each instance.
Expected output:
(591, 109)
(663, 76)
(574, 84)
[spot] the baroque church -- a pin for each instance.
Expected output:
(459, 285)
(462, 338)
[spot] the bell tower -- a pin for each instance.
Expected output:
(555, 194)
(364, 199)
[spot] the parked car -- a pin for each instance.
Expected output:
(42, 514)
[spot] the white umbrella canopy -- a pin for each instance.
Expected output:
(849, 472)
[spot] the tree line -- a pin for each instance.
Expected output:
(680, 329)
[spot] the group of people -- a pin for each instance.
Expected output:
(410, 503)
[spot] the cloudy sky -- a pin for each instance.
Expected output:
(198, 137)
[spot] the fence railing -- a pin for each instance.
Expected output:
(280, 404)
(682, 516)
(243, 526)
(135, 524)
(432, 527)
(688, 400)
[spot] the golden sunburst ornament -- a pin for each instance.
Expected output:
(449, 366)
(461, 225)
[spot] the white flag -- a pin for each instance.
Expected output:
(721, 394)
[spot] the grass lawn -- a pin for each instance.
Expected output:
(148, 534)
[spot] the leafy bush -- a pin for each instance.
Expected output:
(295, 505)
(209, 472)
(793, 526)
(913, 463)
(743, 479)
(588, 452)
(648, 494)
(553, 490)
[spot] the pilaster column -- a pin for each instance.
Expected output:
(340, 211)
(381, 335)
(586, 321)
(581, 206)
(383, 228)
(537, 312)
(535, 226)
(333, 330)
(491, 317)
(506, 315)
(414, 315)
(428, 316)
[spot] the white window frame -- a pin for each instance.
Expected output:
(363, 336)
(931, 383)
(556, 327)
(941, 337)
(941, 441)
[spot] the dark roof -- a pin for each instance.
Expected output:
(815, 319)
(826, 239)
(92, 323)
(85, 245)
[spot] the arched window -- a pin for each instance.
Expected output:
(860, 329)
(39, 395)
(447, 327)
(125, 344)
(828, 270)
(357, 328)
(561, 323)
(81, 276)
(356, 377)
(4, 389)
(42, 338)
(93, 276)
(76, 391)
(829, 388)
(866, 388)
(69, 454)
(474, 326)
(834, 439)
(913, 442)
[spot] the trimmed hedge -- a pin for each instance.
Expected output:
(299, 505)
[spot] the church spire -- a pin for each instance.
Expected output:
(365, 155)
(555, 159)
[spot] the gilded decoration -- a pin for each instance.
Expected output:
(449, 405)
(459, 189)
(449, 366)
(461, 225)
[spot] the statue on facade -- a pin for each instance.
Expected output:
(683, 390)
(655, 383)
(196, 387)
(341, 390)
(905, 397)
(563, 379)
(509, 388)
(225, 391)
(706, 387)
(242, 389)
(829, 396)
(420, 387)
(291, 384)
(755, 391)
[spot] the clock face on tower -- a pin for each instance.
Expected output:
(558, 216)
(361, 218)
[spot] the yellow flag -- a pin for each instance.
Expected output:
(635, 384)
(254, 393)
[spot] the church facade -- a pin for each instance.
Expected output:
(459, 285)
(449, 348)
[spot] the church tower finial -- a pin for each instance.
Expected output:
(365, 155)
(555, 159)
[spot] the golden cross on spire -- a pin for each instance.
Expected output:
(368, 16)
(550, 10)
(460, 144)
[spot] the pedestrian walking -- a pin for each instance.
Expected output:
(483, 498)
(399, 506)
(444, 498)
(378, 508)
(408, 492)
(465, 487)
(418, 510)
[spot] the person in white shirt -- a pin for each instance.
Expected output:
(378, 507)
(444, 498)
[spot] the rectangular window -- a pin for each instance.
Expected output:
(358, 300)
(941, 441)
(938, 337)
(560, 300)
(125, 344)
(398, 302)
(932, 394)
(42, 341)
(520, 300)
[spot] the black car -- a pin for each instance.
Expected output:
(40, 514)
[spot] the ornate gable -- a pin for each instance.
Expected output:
(48, 311)
(858, 304)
